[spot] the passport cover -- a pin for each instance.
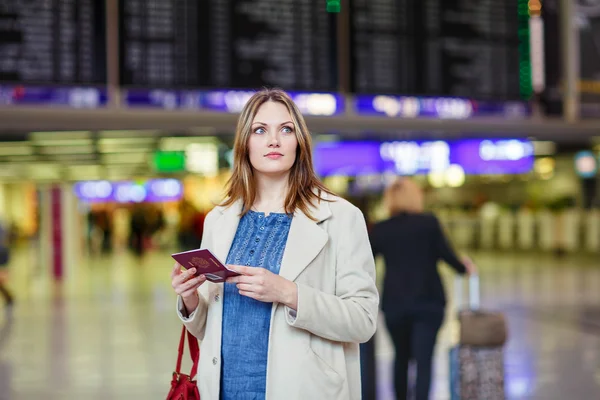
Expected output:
(205, 263)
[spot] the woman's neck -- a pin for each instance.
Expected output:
(271, 193)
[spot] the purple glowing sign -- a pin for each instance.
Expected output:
(325, 104)
(155, 190)
(73, 97)
(436, 107)
(474, 156)
(230, 101)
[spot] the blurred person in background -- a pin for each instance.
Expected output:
(290, 325)
(156, 226)
(138, 230)
(105, 224)
(368, 364)
(191, 223)
(413, 300)
(4, 259)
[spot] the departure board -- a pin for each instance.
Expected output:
(227, 44)
(587, 22)
(466, 48)
(52, 42)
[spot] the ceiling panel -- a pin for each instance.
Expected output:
(27, 119)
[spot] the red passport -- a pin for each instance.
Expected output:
(206, 263)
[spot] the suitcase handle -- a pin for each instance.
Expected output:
(474, 297)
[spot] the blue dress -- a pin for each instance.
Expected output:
(259, 242)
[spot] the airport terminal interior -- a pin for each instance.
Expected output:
(117, 128)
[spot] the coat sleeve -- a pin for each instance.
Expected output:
(445, 250)
(195, 322)
(349, 315)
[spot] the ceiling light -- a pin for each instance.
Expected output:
(126, 140)
(129, 134)
(181, 143)
(45, 171)
(72, 157)
(61, 138)
(455, 176)
(82, 149)
(15, 149)
(129, 158)
(85, 172)
(123, 149)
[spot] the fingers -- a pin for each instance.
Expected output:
(240, 269)
(183, 276)
(241, 279)
(186, 288)
(252, 295)
(176, 270)
(245, 287)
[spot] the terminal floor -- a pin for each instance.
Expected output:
(110, 332)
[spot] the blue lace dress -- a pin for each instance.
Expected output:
(259, 242)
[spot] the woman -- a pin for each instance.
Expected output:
(289, 326)
(413, 302)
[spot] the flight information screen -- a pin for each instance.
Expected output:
(228, 44)
(436, 47)
(412, 157)
(52, 42)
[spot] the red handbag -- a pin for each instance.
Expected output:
(185, 387)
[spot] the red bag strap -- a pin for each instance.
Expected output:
(194, 352)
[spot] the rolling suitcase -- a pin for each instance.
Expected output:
(477, 361)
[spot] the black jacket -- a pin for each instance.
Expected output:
(412, 245)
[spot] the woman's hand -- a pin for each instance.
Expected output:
(263, 285)
(186, 285)
(469, 265)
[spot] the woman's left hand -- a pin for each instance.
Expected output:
(263, 285)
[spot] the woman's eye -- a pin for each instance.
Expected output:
(287, 129)
(259, 130)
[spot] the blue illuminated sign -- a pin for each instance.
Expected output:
(475, 156)
(154, 190)
(436, 107)
(329, 104)
(230, 101)
(73, 97)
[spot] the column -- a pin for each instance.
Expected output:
(112, 53)
(570, 54)
(59, 245)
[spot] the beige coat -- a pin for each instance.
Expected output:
(314, 353)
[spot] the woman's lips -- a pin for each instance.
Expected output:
(274, 156)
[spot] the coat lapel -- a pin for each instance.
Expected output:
(224, 230)
(305, 241)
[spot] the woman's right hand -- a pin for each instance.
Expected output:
(186, 285)
(469, 265)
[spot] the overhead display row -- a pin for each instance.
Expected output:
(404, 47)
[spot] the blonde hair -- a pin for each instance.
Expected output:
(403, 195)
(305, 188)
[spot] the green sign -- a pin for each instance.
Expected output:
(334, 6)
(169, 161)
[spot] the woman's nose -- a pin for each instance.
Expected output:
(274, 140)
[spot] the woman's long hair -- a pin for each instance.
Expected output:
(304, 187)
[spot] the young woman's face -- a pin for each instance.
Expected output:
(272, 144)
